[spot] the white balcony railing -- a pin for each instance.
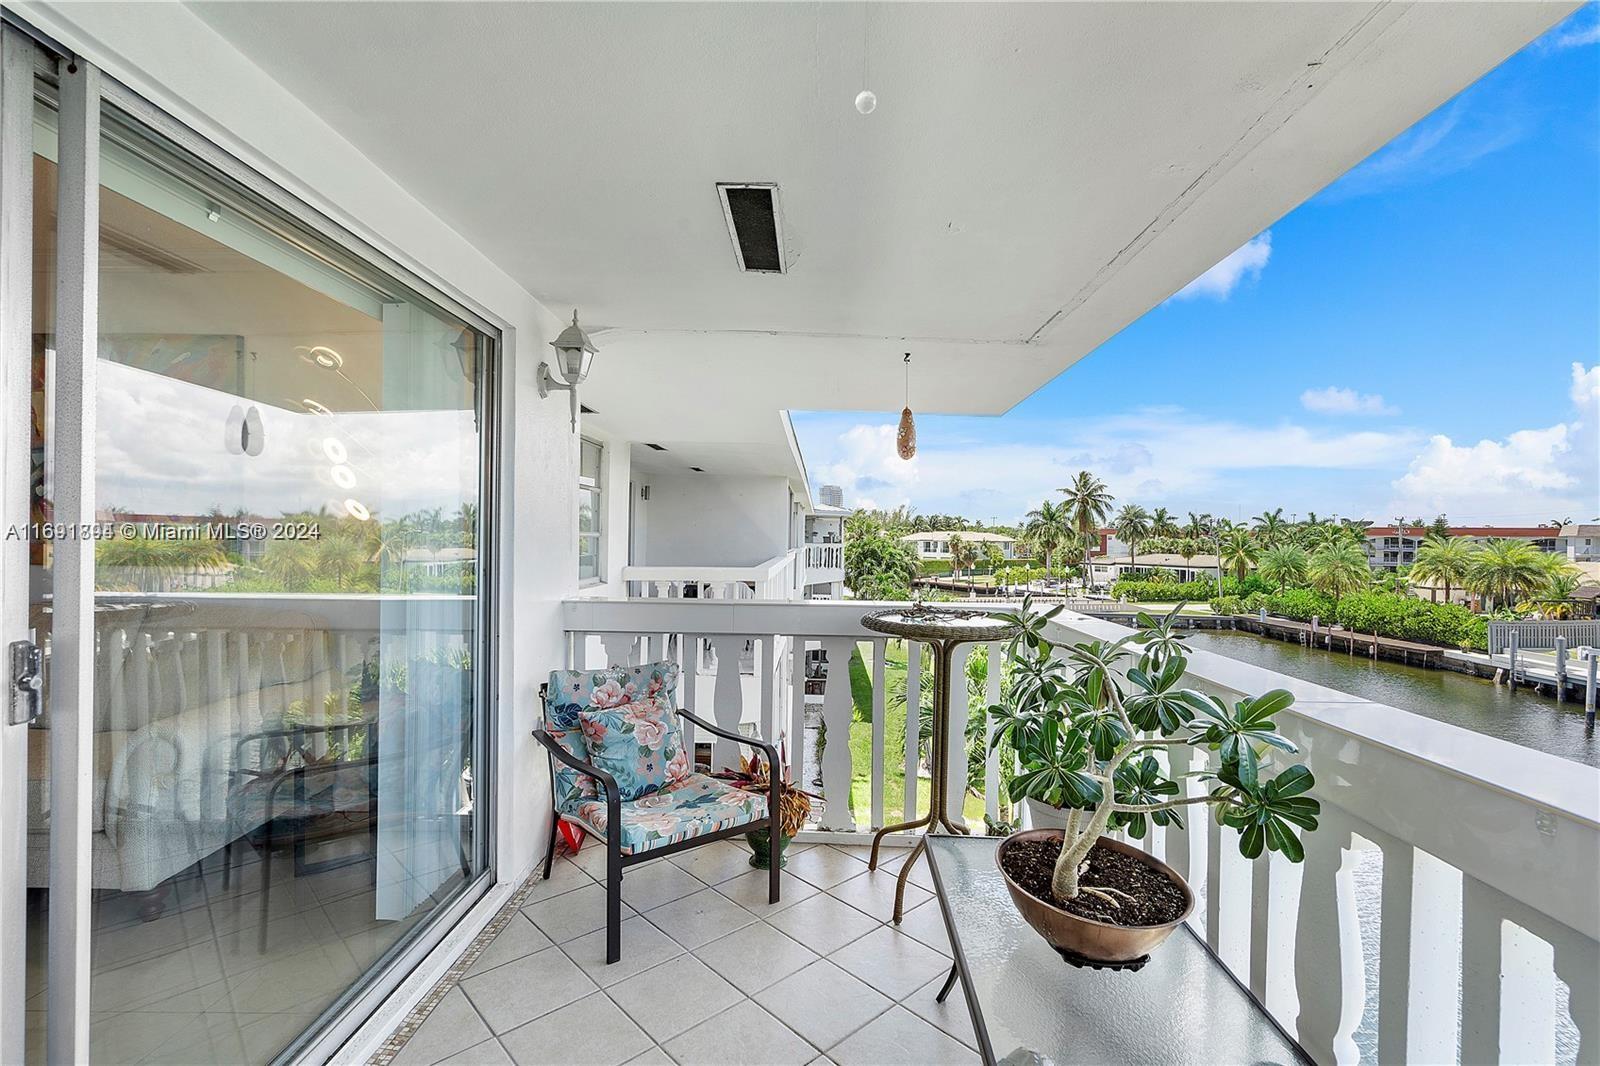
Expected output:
(820, 557)
(1446, 909)
(779, 578)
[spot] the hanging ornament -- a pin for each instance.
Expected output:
(866, 99)
(905, 441)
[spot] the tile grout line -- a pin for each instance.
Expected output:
(452, 977)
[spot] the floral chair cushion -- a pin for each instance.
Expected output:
(571, 691)
(638, 744)
(691, 807)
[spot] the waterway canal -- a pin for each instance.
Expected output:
(1522, 717)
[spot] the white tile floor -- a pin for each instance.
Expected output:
(710, 973)
(194, 985)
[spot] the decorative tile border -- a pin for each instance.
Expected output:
(452, 977)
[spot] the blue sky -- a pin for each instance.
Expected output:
(1423, 336)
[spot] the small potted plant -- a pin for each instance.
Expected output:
(1087, 722)
(794, 807)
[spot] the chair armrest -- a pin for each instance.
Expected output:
(770, 750)
(613, 793)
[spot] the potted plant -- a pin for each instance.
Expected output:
(794, 807)
(1087, 722)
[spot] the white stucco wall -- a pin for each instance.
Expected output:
(700, 520)
(166, 54)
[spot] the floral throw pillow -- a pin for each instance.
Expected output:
(639, 744)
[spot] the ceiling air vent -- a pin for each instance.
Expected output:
(756, 225)
(654, 447)
(698, 469)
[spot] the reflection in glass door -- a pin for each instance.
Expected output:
(287, 719)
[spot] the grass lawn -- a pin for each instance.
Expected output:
(894, 741)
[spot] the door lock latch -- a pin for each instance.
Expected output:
(27, 682)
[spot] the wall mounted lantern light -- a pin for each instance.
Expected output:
(574, 353)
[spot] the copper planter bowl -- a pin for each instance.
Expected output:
(1085, 937)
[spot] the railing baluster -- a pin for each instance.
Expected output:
(688, 685)
(797, 712)
(1260, 922)
(837, 713)
(913, 723)
(767, 711)
(1327, 960)
(141, 711)
(991, 757)
(1480, 973)
(317, 663)
(880, 648)
(727, 698)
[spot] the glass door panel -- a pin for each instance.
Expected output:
(287, 716)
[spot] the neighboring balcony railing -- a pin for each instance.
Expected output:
(1446, 909)
(824, 557)
(779, 578)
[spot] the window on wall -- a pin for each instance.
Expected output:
(591, 516)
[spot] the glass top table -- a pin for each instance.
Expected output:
(1028, 1005)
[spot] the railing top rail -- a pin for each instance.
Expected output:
(1549, 781)
(760, 571)
(1545, 780)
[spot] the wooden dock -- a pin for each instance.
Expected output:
(1348, 641)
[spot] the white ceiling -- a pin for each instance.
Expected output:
(1036, 176)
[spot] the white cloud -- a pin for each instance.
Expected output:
(1586, 390)
(1164, 456)
(1219, 282)
(160, 450)
(1448, 141)
(1571, 34)
(1336, 401)
(1528, 476)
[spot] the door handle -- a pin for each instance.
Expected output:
(27, 682)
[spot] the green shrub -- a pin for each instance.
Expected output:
(1300, 604)
(1167, 590)
(1406, 618)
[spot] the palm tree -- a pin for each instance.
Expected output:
(1442, 560)
(1506, 571)
(1046, 528)
(1188, 548)
(341, 558)
(1162, 524)
(1284, 564)
(1088, 501)
(290, 564)
(1270, 526)
(1132, 525)
(1338, 569)
(963, 553)
(1198, 527)
(1238, 550)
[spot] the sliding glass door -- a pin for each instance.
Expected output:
(281, 730)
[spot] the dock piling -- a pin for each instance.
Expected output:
(1588, 691)
(1561, 669)
(1511, 652)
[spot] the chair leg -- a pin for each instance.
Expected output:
(774, 864)
(550, 852)
(613, 898)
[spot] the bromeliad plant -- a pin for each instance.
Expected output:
(1087, 725)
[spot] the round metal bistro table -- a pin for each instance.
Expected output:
(941, 628)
